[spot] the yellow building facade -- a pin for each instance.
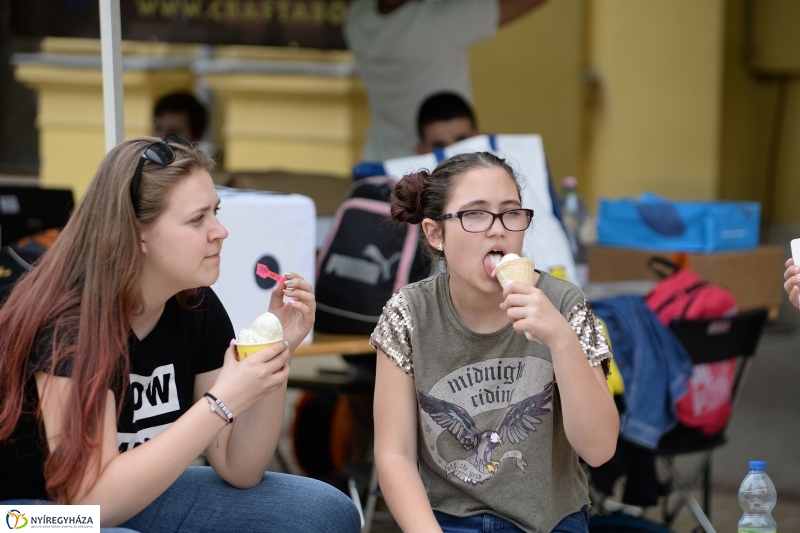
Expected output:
(628, 95)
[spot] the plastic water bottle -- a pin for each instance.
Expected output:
(575, 214)
(757, 497)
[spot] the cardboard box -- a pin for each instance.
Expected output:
(755, 277)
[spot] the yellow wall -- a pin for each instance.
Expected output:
(694, 99)
(786, 207)
(527, 79)
(678, 102)
(760, 153)
(654, 123)
(71, 122)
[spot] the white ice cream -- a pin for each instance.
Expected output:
(266, 328)
(506, 258)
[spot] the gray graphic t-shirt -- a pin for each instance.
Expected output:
(490, 434)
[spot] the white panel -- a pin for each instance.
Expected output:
(260, 224)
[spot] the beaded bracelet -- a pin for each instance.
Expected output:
(216, 410)
(228, 416)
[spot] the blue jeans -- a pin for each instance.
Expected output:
(201, 501)
(486, 523)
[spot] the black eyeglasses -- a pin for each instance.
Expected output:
(478, 221)
(160, 153)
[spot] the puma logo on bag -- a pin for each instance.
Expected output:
(357, 269)
(373, 252)
(364, 260)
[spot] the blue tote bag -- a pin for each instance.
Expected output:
(654, 223)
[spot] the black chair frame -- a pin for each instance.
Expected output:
(708, 341)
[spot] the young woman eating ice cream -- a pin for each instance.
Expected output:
(119, 370)
(476, 426)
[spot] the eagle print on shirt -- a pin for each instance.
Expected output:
(489, 387)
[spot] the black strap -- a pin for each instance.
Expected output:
(688, 291)
(662, 267)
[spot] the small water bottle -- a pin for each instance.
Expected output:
(575, 214)
(757, 497)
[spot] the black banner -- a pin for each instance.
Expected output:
(303, 23)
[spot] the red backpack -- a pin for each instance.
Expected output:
(682, 294)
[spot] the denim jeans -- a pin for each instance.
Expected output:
(486, 523)
(201, 501)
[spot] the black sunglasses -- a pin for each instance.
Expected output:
(160, 153)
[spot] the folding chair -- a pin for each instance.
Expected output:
(362, 480)
(707, 341)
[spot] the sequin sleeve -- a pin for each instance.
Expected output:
(590, 333)
(392, 335)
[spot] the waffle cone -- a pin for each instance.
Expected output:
(522, 269)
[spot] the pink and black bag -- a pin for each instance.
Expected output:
(681, 294)
(366, 258)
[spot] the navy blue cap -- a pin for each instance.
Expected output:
(758, 465)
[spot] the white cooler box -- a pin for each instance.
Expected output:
(276, 229)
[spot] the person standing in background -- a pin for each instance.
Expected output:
(406, 50)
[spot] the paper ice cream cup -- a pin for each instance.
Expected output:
(245, 350)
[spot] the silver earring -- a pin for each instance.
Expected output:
(440, 247)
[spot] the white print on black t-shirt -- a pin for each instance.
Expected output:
(128, 441)
(455, 400)
(155, 394)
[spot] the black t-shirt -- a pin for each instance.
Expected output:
(183, 343)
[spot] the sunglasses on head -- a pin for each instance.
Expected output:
(160, 153)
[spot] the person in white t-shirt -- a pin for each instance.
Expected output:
(406, 50)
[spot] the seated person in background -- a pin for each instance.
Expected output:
(119, 369)
(181, 114)
(444, 119)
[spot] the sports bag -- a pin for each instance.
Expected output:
(366, 258)
(681, 294)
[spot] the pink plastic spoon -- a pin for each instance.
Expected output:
(263, 271)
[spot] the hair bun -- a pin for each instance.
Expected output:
(407, 202)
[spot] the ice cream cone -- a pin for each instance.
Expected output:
(520, 269)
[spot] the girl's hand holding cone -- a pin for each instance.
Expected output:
(531, 312)
(513, 269)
